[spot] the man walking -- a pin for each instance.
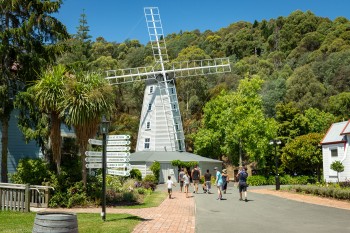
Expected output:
(207, 178)
(196, 174)
(242, 183)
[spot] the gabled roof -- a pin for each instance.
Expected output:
(335, 133)
(168, 156)
(346, 129)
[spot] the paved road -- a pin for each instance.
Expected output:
(265, 213)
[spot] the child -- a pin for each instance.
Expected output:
(170, 184)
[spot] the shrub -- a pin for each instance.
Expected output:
(135, 174)
(150, 178)
(148, 185)
(155, 168)
(256, 180)
(31, 171)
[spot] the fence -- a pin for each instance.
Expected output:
(20, 197)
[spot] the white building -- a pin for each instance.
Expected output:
(335, 147)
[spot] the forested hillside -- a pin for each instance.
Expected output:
(290, 78)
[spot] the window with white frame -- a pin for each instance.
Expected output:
(149, 107)
(174, 107)
(147, 142)
(334, 152)
(172, 91)
(151, 89)
(148, 125)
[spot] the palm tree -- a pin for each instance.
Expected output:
(49, 93)
(89, 96)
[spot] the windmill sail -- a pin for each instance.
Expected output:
(160, 126)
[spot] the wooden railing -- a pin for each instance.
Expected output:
(20, 197)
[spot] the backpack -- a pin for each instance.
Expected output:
(195, 174)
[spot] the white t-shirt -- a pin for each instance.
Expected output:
(170, 183)
(186, 179)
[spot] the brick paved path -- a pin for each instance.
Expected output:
(176, 215)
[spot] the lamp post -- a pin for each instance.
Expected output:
(276, 142)
(104, 132)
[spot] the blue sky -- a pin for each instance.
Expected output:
(118, 20)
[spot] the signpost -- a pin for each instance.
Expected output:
(117, 155)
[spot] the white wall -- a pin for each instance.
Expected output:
(329, 174)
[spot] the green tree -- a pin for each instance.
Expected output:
(339, 105)
(304, 89)
(49, 93)
(303, 155)
(237, 121)
(27, 34)
(338, 167)
(88, 97)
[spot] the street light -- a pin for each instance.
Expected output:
(276, 142)
(104, 131)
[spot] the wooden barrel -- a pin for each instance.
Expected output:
(55, 222)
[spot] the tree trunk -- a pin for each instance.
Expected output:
(4, 147)
(55, 137)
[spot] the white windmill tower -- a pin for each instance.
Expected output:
(160, 126)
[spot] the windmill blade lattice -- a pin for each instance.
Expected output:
(160, 126)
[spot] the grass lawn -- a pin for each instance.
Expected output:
(13, 222)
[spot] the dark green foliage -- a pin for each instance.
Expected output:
(330, 191)
(31, 171)
(258, 180)
(136, 174)
(155, 168)
(150, 178)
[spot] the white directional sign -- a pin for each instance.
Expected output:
(118, 148)
(93, 160)
(118, 137)
(93, 165)
(109, 160)
(118, 154)
(118, 172)
(118, 160)
(109, 154)
(95, 142)
(93, 153)
(112, 165)
(118, 143)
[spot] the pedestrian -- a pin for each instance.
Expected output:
(225, 180)
(196, 174)
(207, 179)
(186, 182)
(170, 184)
(181, 178)
(218, 183)
(242, 183)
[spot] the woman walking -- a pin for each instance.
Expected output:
(218, 183)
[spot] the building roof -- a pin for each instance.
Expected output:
(346, 129)
(335, 133)
(168, 156)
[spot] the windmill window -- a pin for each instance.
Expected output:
(172, 90)
(334, 152)
(174, 107)
(147, 142)
(149, 107)
(177, 126)
(151, 89)
(148, 125)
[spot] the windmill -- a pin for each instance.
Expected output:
(160, 127)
